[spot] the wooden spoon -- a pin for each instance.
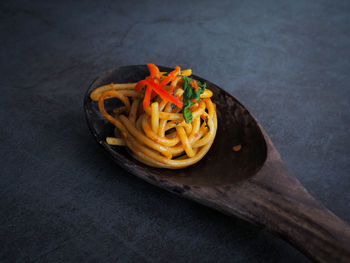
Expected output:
(252, 183)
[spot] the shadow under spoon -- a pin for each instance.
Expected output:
(252, 184)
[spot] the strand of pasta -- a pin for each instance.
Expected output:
(149, 135)
(159, 161)
(176, 164)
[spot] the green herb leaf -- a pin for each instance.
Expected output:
(187, 114)
(190, 94)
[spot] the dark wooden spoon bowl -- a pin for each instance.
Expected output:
(252, 184)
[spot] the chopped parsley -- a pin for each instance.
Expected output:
(190, 94)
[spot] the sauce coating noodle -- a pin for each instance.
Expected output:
(152, 122)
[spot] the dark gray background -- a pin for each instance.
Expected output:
(62, 200)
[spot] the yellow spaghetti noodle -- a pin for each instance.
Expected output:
(160, 127)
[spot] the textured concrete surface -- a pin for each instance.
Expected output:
(62, 200)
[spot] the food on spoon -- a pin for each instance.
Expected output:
(168, 119)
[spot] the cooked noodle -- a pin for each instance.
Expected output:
(152, 122)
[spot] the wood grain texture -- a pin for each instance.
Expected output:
(252, 184)
(276, 200)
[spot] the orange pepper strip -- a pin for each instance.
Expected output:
(155, 75)
(172, 75)
(154, 71)
(164, 94)
(194, 85)
(154, 88)
(147, 99)
(140, 84)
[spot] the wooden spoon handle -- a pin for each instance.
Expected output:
(276, 200)
(305, 223)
